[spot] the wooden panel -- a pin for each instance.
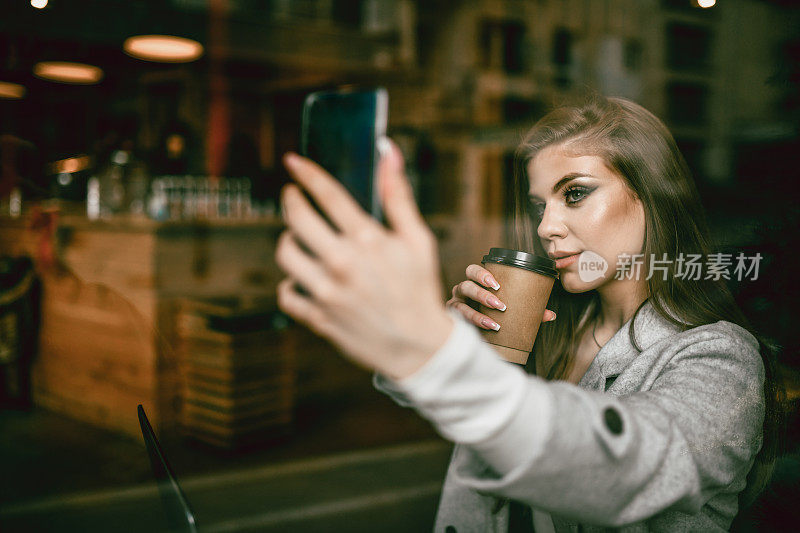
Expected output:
(117, 411)
(88, 369)
(217, 262)
(116, 329)
(89, 386)
(99, 247)
(97, 358)
(120, 262)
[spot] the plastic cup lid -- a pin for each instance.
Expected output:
(525, 260)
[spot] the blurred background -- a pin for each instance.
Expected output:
(140, 144)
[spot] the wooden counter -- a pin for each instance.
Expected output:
(110, 290)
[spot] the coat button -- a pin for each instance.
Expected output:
(613, 420)
(450, 529)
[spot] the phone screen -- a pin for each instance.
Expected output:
(340, 131)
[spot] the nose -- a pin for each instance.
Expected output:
(552, 225)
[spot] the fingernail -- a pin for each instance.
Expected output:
(391, 156)
(491, 324)
(491, 282)
(291, 159)
(552, 317)
(497, 304)
(384, 146)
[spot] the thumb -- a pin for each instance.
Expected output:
(397, 197)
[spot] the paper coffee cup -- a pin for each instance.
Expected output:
(525, 284)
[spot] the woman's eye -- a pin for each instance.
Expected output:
(575, 194)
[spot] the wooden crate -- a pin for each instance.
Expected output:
(238, 372)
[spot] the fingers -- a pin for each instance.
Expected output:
(291, 301)
(480, 275)
(469, 289)
(306, 223)
(473, 316)
(483, 321)
(399, 205)
(304, 269)
(329, 194)
(300, 307)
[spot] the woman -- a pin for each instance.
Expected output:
(652, 407)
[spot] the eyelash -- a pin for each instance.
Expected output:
(583, 192)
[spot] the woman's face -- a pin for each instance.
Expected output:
(584, 207)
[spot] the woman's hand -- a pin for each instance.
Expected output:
(474, 290)
(373, 292)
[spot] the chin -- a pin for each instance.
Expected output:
(572, 283)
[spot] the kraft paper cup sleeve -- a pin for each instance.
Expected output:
(525, 294)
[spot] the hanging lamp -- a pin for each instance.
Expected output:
(12, 91)
(68, 72)
(163, 48)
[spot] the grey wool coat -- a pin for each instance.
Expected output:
(657, 440)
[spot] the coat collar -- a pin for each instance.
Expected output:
(650, 327)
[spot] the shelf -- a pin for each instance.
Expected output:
(492, 83)
(126, 223)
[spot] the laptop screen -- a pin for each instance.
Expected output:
(179, 515)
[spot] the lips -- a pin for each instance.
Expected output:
(566, 260)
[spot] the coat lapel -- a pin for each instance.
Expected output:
(619, 352)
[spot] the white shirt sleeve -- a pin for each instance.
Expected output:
(474, 397)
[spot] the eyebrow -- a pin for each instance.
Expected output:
(565, 179)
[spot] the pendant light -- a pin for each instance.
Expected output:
(68, 72)
(163, 48)
(11, 91)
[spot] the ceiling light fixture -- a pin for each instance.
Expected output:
(65, 72)
(70, 165)
(163, 48)
(11, 91)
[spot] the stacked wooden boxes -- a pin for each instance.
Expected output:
(238, 372)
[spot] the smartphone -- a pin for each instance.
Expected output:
(340, 131)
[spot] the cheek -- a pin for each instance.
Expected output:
(614, 227)
(634, 221)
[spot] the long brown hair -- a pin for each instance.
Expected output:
(637, 146)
